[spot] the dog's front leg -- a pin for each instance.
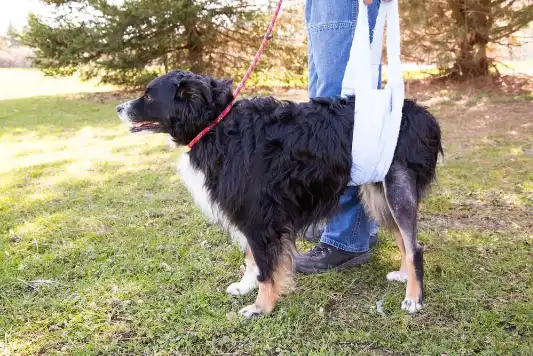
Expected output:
(274, 261)
(248, 281)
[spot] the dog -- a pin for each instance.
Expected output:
(272, 168)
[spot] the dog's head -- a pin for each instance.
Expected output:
(178, 103)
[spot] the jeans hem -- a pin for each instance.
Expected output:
(342, 246)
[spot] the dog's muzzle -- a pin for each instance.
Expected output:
(136, 126)
(122, 111)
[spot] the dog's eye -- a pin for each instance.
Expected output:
(147, 96)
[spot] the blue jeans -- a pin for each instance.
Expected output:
(330, 28)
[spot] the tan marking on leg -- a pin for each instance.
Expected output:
(401, 247)
(413, 293)
(283, 275)
(267, 297)
(282, 281)
(408, 232)
(270, 291)
(413, 287)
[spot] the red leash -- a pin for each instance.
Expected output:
(268, 36)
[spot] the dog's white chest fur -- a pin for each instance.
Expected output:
(195, 182)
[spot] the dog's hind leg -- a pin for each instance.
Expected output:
(274, 260)
(401, 275)
(401, 195)
(373, 197)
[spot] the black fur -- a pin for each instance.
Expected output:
(418, 260)
(274, 167)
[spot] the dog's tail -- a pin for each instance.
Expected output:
(422, 143)
(441, 151)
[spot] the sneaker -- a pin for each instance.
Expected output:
(324, 257)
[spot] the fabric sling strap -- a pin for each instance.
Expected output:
(378, 112)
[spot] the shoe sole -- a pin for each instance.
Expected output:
(354, 262)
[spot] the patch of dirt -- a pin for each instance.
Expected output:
(480, 107)
(481, 216)
(487, 119)
(503, 87)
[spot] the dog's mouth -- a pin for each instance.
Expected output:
(144, 125)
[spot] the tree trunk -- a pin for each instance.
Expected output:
(193, 44)
(473, 21)
(195, 52)
(471, 59)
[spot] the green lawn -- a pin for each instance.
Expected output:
(25, 83)
(103, 252)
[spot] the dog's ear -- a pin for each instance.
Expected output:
(194, 88)
(222, 91)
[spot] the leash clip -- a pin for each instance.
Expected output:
(269, 36)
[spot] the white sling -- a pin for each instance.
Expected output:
(378, 112)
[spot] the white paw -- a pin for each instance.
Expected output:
(411, 306)
(239, 288)
(250, 311)
(397, 276)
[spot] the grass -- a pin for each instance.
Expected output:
(26, 83)
(103, 252)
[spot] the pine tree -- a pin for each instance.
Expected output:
(129, 43)
(456, 34)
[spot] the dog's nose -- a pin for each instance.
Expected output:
(120, 107)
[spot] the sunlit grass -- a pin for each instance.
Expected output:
(103, 252)
(26, 83)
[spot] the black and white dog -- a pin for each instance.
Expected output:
(271, 168)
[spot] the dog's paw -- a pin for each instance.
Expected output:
(412, 306)
(397, 276)
(251, 311)
(239, 288)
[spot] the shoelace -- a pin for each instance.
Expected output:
(320, 250)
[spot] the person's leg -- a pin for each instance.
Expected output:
(349, 229)
(345, 240)
(312, 76)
